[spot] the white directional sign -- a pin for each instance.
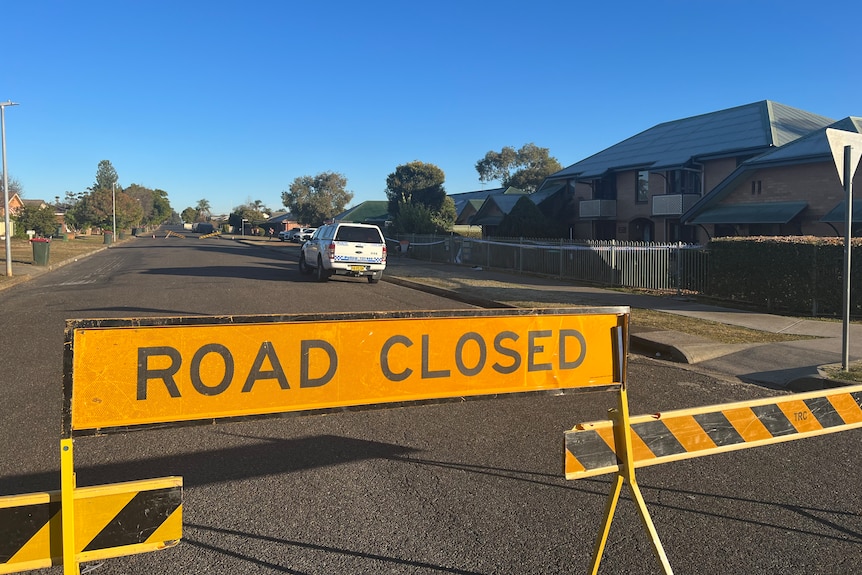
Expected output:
(838, 140)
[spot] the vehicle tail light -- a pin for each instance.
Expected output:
(384, 253)
(330, 251)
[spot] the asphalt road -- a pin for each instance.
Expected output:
(469, 488)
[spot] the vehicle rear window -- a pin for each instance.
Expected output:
(360, 235)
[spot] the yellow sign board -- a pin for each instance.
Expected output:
(124, 373)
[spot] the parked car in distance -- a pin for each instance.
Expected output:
(288, 234)
(357, 250)
(300, 235)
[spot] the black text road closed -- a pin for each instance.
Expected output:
(123, 373)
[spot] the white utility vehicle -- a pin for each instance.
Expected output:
(357, 250)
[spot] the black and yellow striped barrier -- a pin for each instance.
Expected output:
(687, 433)
(623, 443)
(111, 521)
(174, 234)
(210, 235)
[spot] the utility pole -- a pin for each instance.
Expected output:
(6, 221)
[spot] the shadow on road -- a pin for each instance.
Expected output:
(271, 457)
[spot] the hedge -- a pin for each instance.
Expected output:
(789, 274)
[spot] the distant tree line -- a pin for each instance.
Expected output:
(98, 206)
(417, 199)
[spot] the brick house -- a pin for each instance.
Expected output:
(640, 188)
(792, 190)
(15, 205)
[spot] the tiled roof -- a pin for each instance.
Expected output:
(750, 128)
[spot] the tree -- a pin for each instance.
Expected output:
(313, 199)
(14, 186)
(255, 213)
(420, 219)
(203, 210)
(162, 210)
(104, 203)
(524, 169)
(70, 199)
(129, 212)
(415, 183)
(154, 203)
(189, 215)
(98, 209)
(42, 220)
(418, 187)
(106, 176)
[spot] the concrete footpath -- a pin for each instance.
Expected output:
(792, 365)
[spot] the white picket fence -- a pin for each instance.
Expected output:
(657, 266)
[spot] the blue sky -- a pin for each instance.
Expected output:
(231, 101)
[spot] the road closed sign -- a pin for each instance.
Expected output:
(122, 373)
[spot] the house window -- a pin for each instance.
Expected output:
(605, 188)
(756, 187)
(642, 187)
(683, 182)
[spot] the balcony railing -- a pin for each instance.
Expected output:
(673, 204)
(597, 209)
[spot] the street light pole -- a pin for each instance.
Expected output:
(6, 187)
(114, 209)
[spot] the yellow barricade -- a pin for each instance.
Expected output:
(687, 433)
(112, 520)
(622, 443)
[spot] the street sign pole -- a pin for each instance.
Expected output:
(846, 150)
(848, 250)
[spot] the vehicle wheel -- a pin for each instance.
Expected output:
(373, 280)
(303, 265)
(322, 274)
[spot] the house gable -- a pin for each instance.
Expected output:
(801, 173)
(15, 204)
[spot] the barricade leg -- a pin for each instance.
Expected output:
(610, 508)
(622, 438)
(67, 499)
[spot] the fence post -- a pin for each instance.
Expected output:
(520, 255)
(679, 268)
(561, 258)
(814, 282)
(613, 263)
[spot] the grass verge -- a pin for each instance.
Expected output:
(646, 318)
(853, 373)
(60, 251)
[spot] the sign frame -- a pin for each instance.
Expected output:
(76, 328)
